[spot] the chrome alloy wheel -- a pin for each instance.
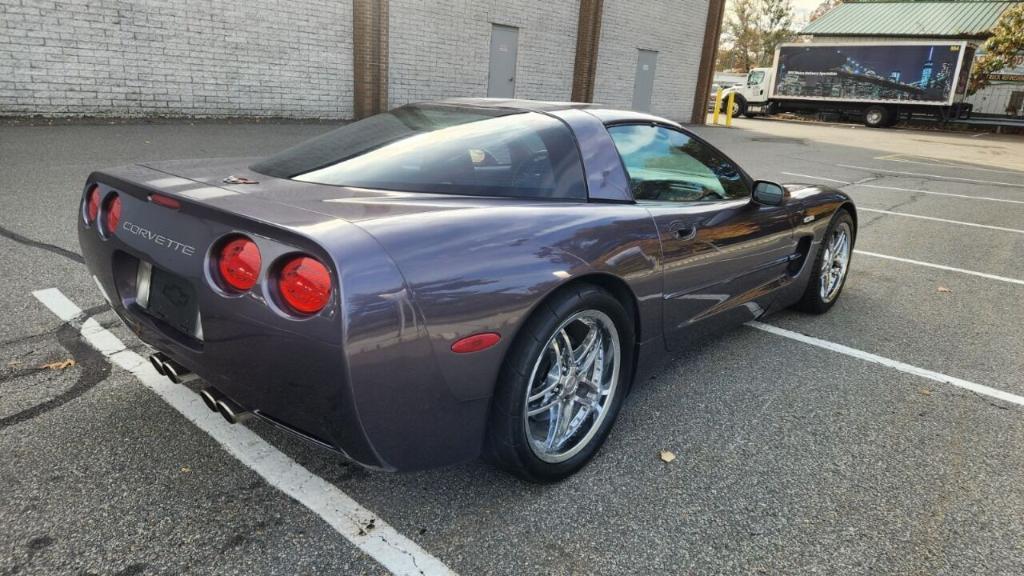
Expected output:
(874, 117)
(835, 262)
(572, 385)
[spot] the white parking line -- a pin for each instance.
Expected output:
(944, 164)
(941, 267)
(944, 220)
(896, 364)
(932, 176)
(817, 177)
(966, 196)
(380, 541)
(860, 184)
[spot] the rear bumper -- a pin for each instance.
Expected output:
(360, 377)
(297, 381)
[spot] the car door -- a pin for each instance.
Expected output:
(723, 254)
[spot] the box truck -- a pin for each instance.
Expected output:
(879, 82)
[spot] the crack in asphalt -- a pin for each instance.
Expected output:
(54, 249)
(95, 369)
(406, 552)
(41, 335)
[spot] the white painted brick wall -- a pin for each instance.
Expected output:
(673, 28)
(196, 58)
(441, 49)
(293, 58)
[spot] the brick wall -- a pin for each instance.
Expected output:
(177, 58)
(442, 48)
(293, 58)
(674, 29)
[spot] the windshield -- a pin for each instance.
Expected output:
(442, 149)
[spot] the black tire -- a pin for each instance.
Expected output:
(876, 116)
(812, 300)
(508, 445)
(740, 105)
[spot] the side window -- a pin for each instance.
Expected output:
(755, 78)
(668, 166)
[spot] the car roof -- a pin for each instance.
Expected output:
(603, 113)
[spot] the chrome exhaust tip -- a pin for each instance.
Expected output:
(158, 363)
(172, 370)
(176, 372)
(210, 397)
(231, 412)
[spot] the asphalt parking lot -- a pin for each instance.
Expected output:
(873, 439)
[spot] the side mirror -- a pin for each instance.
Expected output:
(769, 193)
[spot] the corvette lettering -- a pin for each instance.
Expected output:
(158, 239)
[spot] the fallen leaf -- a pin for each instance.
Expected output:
(185, 469)
(58, 365)
(943, 289)
(667, 456)
(925, 391)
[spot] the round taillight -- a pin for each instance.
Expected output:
(112, 212)
(304, 284)
(239, 263)
(92, 204)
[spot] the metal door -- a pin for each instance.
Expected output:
(643, 85)
(723, 262)
(501, 82)
(1016, 105)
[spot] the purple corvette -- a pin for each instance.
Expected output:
(454, 279)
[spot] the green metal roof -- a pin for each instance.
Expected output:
(909, 19)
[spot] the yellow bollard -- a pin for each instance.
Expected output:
(718, 106)
(728, 111)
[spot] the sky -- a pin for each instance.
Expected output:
(803, 8)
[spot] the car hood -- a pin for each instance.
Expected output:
(351, 204)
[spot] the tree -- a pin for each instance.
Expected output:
(743, 33)
(726, 59)
(1006, 42)
(776, 20)
(752, 30)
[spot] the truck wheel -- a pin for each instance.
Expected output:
(876, 116)
(739, 106)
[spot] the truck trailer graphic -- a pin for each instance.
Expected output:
(922, 73)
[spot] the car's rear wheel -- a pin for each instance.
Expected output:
(561, 385)
(830, 268)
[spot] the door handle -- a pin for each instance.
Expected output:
(682, 230)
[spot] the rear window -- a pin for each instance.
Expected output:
(445, 150)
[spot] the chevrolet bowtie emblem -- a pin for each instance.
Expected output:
(239, 180)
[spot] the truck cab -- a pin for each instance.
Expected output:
(751, 96)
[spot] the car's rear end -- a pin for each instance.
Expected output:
(240, 290)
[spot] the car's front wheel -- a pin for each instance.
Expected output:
(828, 275)
(561, 385)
